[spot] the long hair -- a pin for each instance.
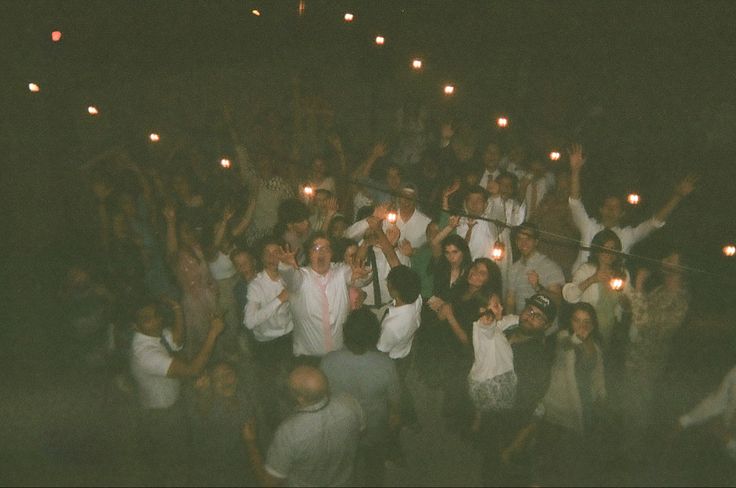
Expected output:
(443, 265)
(598, 241)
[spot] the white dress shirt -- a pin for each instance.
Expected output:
(150, 361)
(398, 328)
(382, 270)
(488, 176)
(589, 227)
(265, 314)
(413, 230)
(319, 306)
(549, 273)
(513, 214)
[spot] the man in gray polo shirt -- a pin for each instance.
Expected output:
(317, 445)
(533, 273)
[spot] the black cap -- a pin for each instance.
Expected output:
(545, 304)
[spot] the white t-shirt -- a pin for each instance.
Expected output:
(493, 353)
(149, 363)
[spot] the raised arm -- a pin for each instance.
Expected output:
(436, 242)
(182, 369)
(577, 161)
(172, 246)
(289, 270)
(247, 219)
(364, 169)
(685, 187)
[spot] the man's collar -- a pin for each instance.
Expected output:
(315, 407)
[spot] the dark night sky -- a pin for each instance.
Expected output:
(662, 72)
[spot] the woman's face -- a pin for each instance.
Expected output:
(349, 256)
(475, 203)
(607, 258)
(338, 229)
(478, 275)
(582, 324)
(453, 254)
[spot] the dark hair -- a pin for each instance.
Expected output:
(337, 218)
(339, 246)
(361, 331)
(443, 266)
(512, 177)
(598, 241)
(470, 190)
(364, 212)
(406, 282)
(590, 310)
(495, 281)
(528, 228)
(292, 211)
(323, 191)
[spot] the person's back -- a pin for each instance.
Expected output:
(317, 445)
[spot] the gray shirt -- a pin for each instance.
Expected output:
(371, 379)
(549, 273)
(317, 445)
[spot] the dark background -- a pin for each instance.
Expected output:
(648, 87)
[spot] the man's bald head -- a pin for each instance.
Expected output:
(308, 385)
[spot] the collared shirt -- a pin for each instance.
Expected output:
(317, 445)
(589, 227)
(319, 306)
(414, 229)
(371, 379)
(481, 240)
(265, 314)
(398, 328)
(549, 274)
(149, 363)
(542, 186)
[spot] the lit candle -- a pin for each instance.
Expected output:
(308, 191)
(34, 87)
(256, 12)
(729, 250)
(56, 36)
(633, 198)
(391, 217)
(348, 17)
(380, 40)
(92, 110)
(416, 63)
(554, 156)
(616, 284)
(498, 251)
(154, 137)
(502, 122)
(449, 89)
(225, 163)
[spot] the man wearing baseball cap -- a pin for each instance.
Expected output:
(507, 432)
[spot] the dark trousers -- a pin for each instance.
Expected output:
(164, 446)
(274, 361)
(498, 429)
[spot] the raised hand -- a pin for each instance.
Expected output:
(406, 248)
(687, 185)
(169, 214)
(533, 278)
(604, 276)
(360, 270)
(454, 187)
(453, 221)
(332, 206)
(393, 233)
(577, 160)
(288, 257)
(379, 150)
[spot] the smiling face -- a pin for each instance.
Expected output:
(526, 242)
(475, 203)
(612, 211)
(582, 324)
(478, 275)
(320, 255)
(532, 321)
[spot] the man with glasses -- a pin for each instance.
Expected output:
(506, 432)
(319, 297)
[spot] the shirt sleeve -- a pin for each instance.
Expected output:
(579, 216)
(168, 336)
(357, 230)
(279, 457)
(642, 230)
(293, 277)
(155, 361)
(713, 405)
(258, 310)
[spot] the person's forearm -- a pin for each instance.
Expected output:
(441, 235)
(584, 285)
(575, 187)
(457, 329)
(663, 213)
(388, 250)
(200, 360)
(256, 464)
(220, 229)
(171, 243)
(177, 331)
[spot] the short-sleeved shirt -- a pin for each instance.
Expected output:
(371, 379)
(149, 362)
(549, 274)
(317, 445)
(398, 328)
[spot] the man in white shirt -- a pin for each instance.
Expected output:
(319, 297)
(492, 162)
(157, 372)
(535, 184)
(612, 211)
(532, 274)
(479, 234)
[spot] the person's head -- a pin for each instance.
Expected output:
(606, 239)
(125, 203)
(148, 319)
(527, 238)
(456, 251)
(319, 167)
(470, 174)
(295, 215)
(407, 200)
(244, 264)
(538, 166)
(611, 211)
(337, 227)
(319, 251)
(183, 185)
(344, 250)
(269, 250)
(361, 331)
(189, 236)
(476, 198)
(491, 156)
(484, 276)
(308, 385)
(224, 379)
(538, 315)
(508, 184)
(583, 320)
(393, 177)
(263, 162)
(403, 284)
(321, 199)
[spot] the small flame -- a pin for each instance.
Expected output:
(729, 250)
(34, 87)
(633, 199)
(225, 163)
(449, 89)
(56, 36)
(380, 40)
(391, 217)
(502, 122)
(416, 63)
(154, 137)
(555, 156)
(616, 284)
(348, 17)
(92, 110)
(308, 191)
(498, 251)
(256, 12)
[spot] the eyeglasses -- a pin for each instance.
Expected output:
(322, 249)
(534, 314)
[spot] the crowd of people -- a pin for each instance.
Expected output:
(269, 311)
